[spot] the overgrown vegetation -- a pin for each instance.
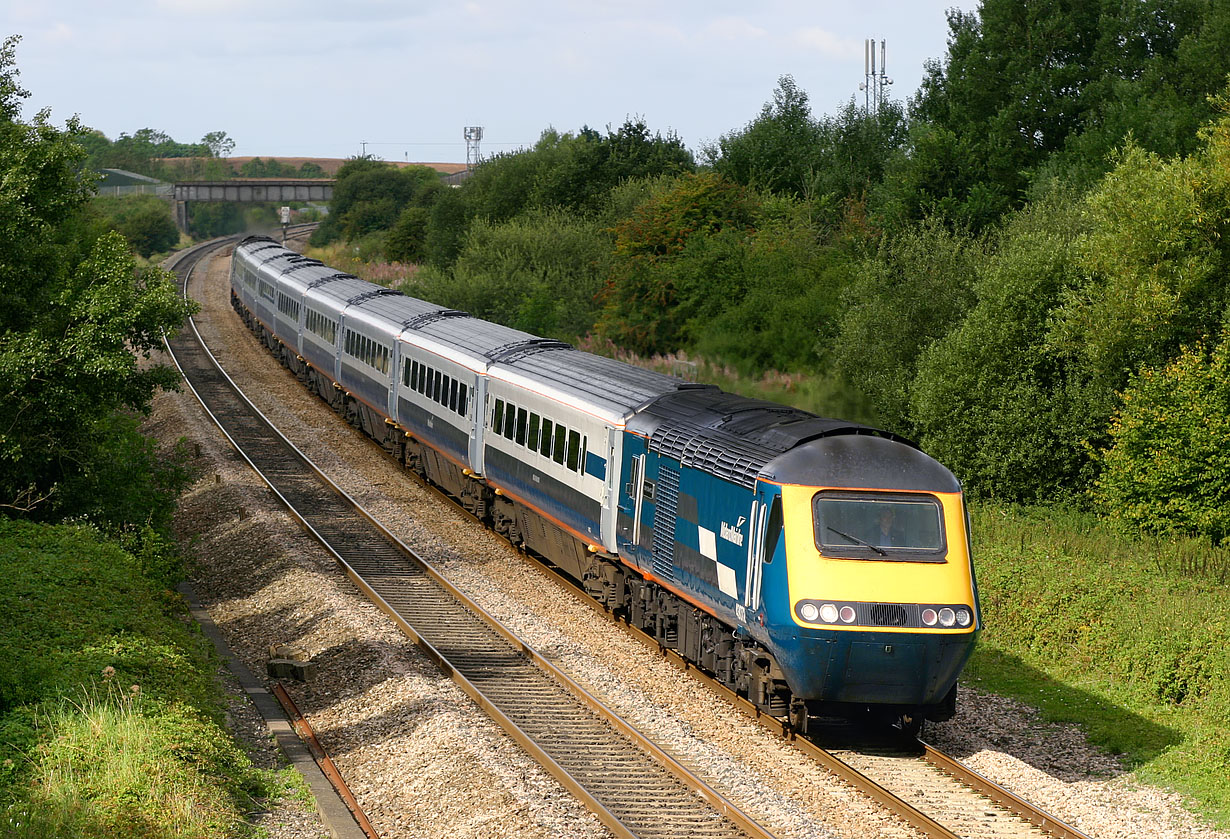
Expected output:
(144, 220)
(110, 721)
(1125, 637)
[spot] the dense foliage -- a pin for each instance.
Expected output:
(1054, 86)
(76, 316)
(110, 719)
(144, 220)
(1168, 470)
(370, 196)
(986, 270)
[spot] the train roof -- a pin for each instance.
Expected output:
(388, 309)
(612, 387)
(860, 461)
(736, 438)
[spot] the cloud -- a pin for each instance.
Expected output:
(196, 7)
(60, 33)
(813, 37)
(733, 29)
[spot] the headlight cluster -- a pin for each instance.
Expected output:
(902, 615)
(946, 616)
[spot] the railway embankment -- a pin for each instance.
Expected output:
(1125, 638)
(112, 719)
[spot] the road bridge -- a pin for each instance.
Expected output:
(249, 190)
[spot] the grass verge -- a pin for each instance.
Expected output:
(1125, 638)
(110, 720)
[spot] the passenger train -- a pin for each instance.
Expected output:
(817, 567)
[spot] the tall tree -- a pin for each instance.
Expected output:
(777, 150)
(75, 313)
(218, 143)
(1022, 82)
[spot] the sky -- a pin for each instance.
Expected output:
(401, 79)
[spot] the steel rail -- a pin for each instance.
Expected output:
(721, 806)
(304, 729)
(1001, 796)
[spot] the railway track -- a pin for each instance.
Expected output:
(933, 792)
(938, 796)
(633, 787)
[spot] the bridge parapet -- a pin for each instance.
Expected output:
(256, 189)
(249, 190)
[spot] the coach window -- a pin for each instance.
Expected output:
(531, 440)
(510, 421)
(574, 450)
(463, 394)
(545, 442)
(561, 440)
(522, 416)
(497, 418)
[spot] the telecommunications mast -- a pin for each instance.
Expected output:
(473, 135)
(877, 80)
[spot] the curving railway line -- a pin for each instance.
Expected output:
(635, 787)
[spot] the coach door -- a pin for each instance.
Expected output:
(759, 519)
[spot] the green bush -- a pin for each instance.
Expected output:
(125, 481)
(369, 196)
(446, 229)
(540, 272)
(407, 241)
(771, 300)
(1153, 260)
(74, 605)
(1167, 470)
(208, 219)
(989, 401)
(914, 290)
(144, 220)
(641, 310)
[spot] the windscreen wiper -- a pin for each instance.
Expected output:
(857, 541)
